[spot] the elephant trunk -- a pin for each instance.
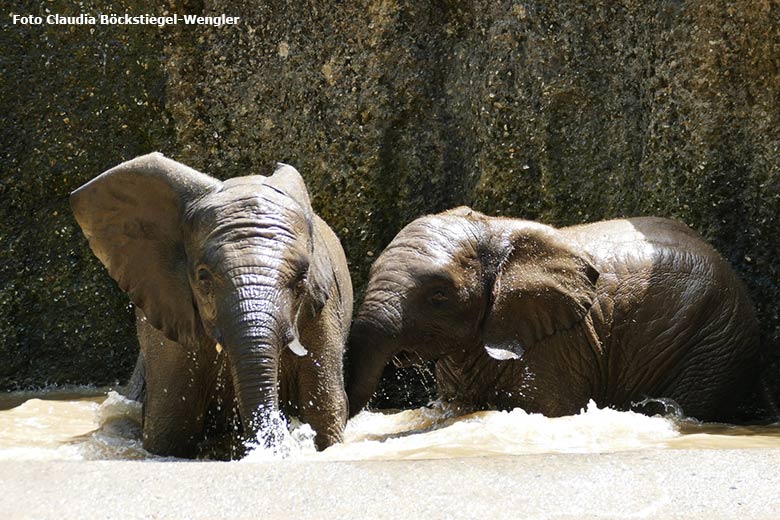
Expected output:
(253, 343)
(369, 352)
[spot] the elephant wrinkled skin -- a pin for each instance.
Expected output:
(520, 314)
(224, 276)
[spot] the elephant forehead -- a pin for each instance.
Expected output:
(251, 194)
(438, 237)
(234, 206)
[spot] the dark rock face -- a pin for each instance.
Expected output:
(563, 112)
(74, 100)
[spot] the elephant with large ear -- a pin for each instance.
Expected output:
(243, 295)
(521, 314)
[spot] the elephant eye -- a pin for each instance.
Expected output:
(204, 276)
(299, 282)
(438, 298)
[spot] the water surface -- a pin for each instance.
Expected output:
(84, 424)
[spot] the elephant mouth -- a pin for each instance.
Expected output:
(406, 359)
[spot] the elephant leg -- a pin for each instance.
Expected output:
(712, 390)
(224, 437)
(322, 401)
(177, 386)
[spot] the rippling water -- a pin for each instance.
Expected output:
(79, 425)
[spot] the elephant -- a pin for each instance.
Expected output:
(519, 314)
(224, 275)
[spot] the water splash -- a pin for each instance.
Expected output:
(118, 433)
(94, 428)
(295, 442)
(435, 433)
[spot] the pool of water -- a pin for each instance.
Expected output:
(87, 424)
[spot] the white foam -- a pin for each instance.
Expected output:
(296, 443)
(81, 429)
(422, 436)
(117, 406)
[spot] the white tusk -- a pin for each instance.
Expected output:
(503, 354)
(297, 348)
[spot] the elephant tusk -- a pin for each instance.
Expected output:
(505, 353)
(219, 348)
(297, 348)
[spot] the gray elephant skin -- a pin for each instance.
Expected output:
(225, 277)
(521, 314)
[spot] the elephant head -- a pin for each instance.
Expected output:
(460, 284)
(212, 263)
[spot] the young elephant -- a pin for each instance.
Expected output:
(520, 314)
(242, 265)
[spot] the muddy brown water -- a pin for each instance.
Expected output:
(84, 424)
(84, 433)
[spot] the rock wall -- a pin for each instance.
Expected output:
(562, 111)
(74, 101)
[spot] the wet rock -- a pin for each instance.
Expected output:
(74, 100)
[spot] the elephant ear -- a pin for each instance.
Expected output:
(288, 181)
(320, 278)
(543, 286)
(132, 217)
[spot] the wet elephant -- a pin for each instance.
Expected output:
(521, 314)
(226, 276)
